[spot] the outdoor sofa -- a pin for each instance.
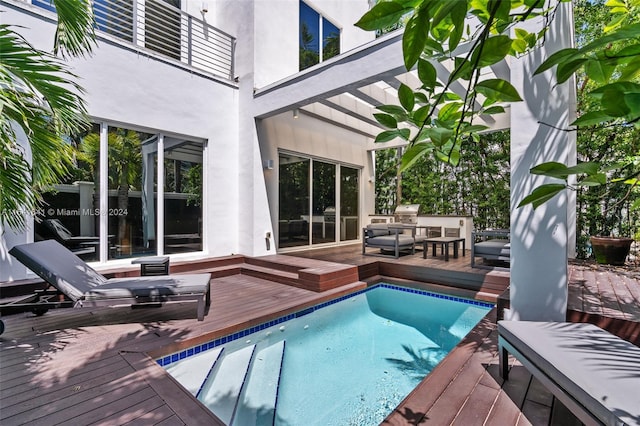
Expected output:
(389, 238)
(594, 373)
(85, 287)
(490, 245)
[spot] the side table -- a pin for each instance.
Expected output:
(154, 265)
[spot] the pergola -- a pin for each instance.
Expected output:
(345, 90)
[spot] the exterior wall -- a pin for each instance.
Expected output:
(277, 33)
(311, 137)
(133, 90)
(540, 237)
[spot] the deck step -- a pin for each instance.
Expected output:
(191, 372)
(222, 389)
(257, 404)
(282, 277)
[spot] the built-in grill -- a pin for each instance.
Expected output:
(330, 214)
(407, 213)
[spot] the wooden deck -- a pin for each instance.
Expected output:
(95, 366)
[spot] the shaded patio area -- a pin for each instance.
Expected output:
(95, 366)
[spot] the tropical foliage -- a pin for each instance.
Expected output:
(41, 100)
(477, 186)
(444, 118)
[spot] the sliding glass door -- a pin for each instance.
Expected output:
(318, 202)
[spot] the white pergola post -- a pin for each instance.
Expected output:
(540, 239)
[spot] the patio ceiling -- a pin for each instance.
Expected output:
(345, 90)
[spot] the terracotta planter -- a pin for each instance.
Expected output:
(611, 250)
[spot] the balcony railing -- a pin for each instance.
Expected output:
(158, 26)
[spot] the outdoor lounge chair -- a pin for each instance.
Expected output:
(490, 245)
(389, 239)
(592, 372)
(80, 283)
(79, 245)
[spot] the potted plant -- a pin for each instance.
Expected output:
(614, 202)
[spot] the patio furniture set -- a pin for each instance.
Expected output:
(394, 238)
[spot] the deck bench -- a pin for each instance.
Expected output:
(594, 373)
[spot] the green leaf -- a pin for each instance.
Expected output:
(594, 180)
(552, 169)
(421, 114)
(406, 96)
(415, 37)
(598, 70)
(632, 69)
(474, 128)
(382, 15)
(542, 194)
(439, 135)
(427, 74)
(566, 69)
(492, 51)
(463, 69)
(450, 111)
(398, 112)
(404, 134)
(494, 110)
(556, 58)
(592, 118)
(629, 32)
(387, 135)
(498, 90)
(386, 120)
(622, 87)
(588, 167)
(413, 154)
(421, 98)
(458, 15)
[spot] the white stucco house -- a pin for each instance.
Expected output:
(254, 134)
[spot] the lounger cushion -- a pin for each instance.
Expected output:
(598, 369)
(493, 248)
(390, 241)
(377, 230)
(55, 264)
(156, 288)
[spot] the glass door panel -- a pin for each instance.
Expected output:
(349, 196)
(293, 214)
(323, 228)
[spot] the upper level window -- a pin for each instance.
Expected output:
(319, 38)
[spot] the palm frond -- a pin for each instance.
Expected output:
(75, 32)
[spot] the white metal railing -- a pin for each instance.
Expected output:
(159, 26)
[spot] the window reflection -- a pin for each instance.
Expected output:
(319, 39)
(72, 213)
(293, 225)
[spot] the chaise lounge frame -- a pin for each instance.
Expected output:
(84, 287)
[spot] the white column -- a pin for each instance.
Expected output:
(160, 212)
(104, 192)
(539, 238)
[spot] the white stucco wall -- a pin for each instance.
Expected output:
(540, 238)
(310, 137)
(277, 33)
(130, 89)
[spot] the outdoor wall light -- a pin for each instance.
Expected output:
(296, 113)
(205, 7)
(268, 164)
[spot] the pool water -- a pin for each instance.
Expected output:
(351, 362)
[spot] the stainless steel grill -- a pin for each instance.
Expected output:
(407, 213)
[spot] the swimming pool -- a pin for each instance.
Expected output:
(344, 362)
